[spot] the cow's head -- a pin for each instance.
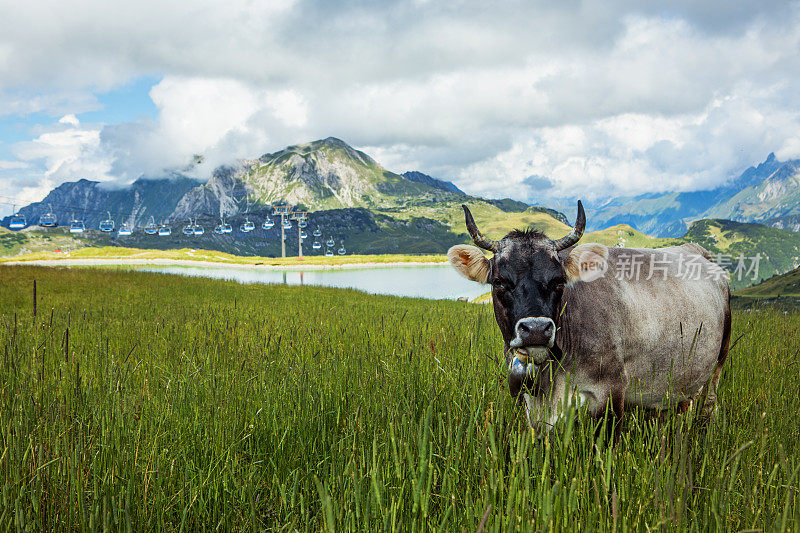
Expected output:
(528, 279)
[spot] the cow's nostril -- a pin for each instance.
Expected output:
(535, 331)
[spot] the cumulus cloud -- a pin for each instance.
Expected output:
(636, 153)
(531, 101)
(66, 150)
(223, 119)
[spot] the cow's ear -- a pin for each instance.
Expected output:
(586, 262)
(470, 262)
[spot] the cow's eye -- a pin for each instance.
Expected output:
(499, 283)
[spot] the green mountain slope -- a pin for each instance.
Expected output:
(779, 249)
(494, 221)
(777, 286)
(46, 240)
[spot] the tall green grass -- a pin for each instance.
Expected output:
(138, 401)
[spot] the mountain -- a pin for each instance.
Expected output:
(220, 195)
(662, 215)
(430, 181)
(344, 189)
(760, 192)
(509, 205)
(379, 211)
(790, 222)
(91, 201)
(324, 174)
(778, 195)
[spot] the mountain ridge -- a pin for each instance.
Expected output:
(420, 177)
(761, 192)
(91, 201)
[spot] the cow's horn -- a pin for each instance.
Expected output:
(576, 233)
(477, 236)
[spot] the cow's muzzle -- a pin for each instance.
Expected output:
(534, 331)
(534, 335)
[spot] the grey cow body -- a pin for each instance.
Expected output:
(657, 336)
(599, 326)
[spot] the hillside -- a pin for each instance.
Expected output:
(779, 249)
(776, 286)
(790, 222)
(493, 220)
(32, 241)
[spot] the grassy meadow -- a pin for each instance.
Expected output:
(136, 401)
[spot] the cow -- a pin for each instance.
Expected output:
(602, 327)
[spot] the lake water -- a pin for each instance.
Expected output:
(435, 282)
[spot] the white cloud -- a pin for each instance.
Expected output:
(66, 151)
(602, 97)
(629, 154)
(70, 119)
(222, 119)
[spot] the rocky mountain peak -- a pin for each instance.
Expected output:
(757, 174)
(322, 148)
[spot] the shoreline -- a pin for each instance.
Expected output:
(214, 264)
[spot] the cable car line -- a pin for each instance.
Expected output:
(192, 227)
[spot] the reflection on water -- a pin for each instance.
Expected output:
(435, 281)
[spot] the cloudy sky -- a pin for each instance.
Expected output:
(521, 99)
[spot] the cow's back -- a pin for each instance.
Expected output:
(657, 317)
